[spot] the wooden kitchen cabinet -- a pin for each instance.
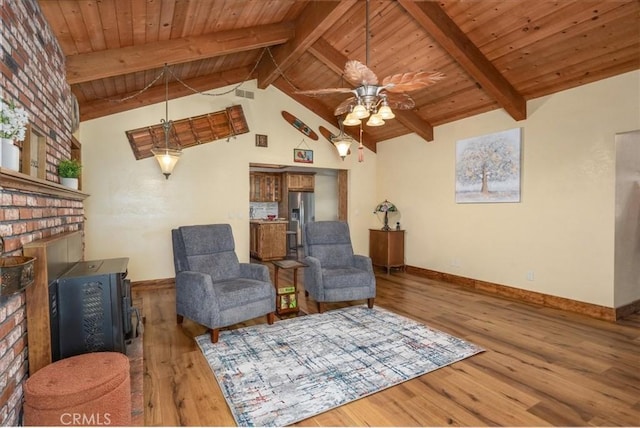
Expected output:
(299, 182)
(264, 187)
(253, 239)
(268, 240)
(386, 248)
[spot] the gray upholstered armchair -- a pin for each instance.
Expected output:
(212, 287)
(334, 273)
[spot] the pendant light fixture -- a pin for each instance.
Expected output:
(342, 141)
(343, 145)
(166, 156)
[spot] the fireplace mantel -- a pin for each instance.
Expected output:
(10, 179)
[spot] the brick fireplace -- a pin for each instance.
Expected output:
(33, 76)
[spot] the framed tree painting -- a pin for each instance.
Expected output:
(488, 167)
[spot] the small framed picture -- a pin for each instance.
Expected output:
(303, 156)
(261, 140)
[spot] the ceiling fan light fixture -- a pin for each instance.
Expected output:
(360, 111)
(351, 120)
(375, 120)
(385, 112)
(372, 98)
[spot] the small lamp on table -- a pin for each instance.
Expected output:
(388, 212)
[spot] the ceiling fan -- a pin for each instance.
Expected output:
(371, 98)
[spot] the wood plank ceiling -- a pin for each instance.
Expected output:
(495, 54)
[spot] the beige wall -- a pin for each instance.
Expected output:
(562, 231)
(132, 208)
(627, 229)
(326, 192)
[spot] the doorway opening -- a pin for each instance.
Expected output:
(283, 198)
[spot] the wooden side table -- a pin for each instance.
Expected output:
(386, 248)
(286, 297)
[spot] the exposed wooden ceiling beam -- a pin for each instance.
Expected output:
(327, 114)
(315, 20)
(335, 60)
(114, 62)
(329, 55)
(99, 108)
(442, 28)
(410, 120)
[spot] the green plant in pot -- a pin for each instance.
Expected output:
(69, 171)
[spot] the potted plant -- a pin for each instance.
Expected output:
(69, 171)
(13, 121)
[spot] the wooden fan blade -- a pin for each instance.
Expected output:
(325, 91)
(400, 101)
(411, 81)
(344, 106)
(358, 74)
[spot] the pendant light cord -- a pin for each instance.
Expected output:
(166, 124)
(166, 93)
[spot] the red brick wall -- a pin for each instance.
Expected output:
(26, 217)
(32, 75)
(13, 359)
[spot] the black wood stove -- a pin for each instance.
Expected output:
(91, 310)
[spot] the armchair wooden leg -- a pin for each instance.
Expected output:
(179, 318)
(321, 307)
(370, 302)
(271, 317)
(215, 334)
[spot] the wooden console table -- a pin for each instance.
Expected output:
(386, 248)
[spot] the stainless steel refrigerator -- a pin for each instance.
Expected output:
(301, 211)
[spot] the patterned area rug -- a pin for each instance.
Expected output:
(276, 375)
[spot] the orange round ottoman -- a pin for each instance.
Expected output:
(89, 389)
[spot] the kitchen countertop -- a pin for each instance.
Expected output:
(264, 220)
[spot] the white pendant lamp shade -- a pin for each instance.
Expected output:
(343, 146)
(167, 159)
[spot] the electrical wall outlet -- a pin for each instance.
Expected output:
(530, 276)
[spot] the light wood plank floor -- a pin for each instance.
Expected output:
(542, 367)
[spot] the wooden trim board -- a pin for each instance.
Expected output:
(547, 300)
(588, 309)
(153, 284)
